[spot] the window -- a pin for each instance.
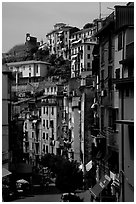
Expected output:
(43, 147)
(44, 135)
(66, 39)
(47, 136)
(88, 47)
(117, 73)
(47, 110)
(32, 134)
(29, 67)
(88, 65)
(39, 112)
(37, 68)
(47, 124)
(120, 41)
(54, 89)
(110, 48)
(51, 89)
(52, 111)
(47, 89)
(29, 74)
(88, 56)
(52, 124)
(44, 110)
(43, 123)
(46, 149)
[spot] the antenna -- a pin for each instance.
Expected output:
(110, 8)
(99, 10)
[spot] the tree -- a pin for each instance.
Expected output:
(68, 175)
(88, 25)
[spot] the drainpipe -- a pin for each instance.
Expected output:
(122, 147)
(122, 127)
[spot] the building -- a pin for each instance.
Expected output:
(124, 80)
(31, 44)
(115, 38)
(59, 40)
(27, 75)
(82, 44)
(43, 121)
(6, 114)
(29, 71)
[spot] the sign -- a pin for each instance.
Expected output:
(97, 189)
(89, 165)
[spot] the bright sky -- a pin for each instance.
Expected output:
(38, 18)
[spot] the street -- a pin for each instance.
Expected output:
(51, 196)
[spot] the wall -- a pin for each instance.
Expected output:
(5, 124)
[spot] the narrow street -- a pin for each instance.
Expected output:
(52, 195)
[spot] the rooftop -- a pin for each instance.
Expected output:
(27, 62)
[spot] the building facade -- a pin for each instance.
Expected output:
(115, 39)
(29, 71)
(82, 44)
(59, 40)
(6, 115)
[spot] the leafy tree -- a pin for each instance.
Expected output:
(68, 175)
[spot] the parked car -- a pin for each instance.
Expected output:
(7, 193)
(70, 197)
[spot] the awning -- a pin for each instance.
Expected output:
(89, 165)
(97, 189)
(5, 172)
(22, 181)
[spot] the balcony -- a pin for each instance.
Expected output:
(49, 102)
(113, 140)
(36, 140)
(123, 82)
(34, 117)
(124, 16)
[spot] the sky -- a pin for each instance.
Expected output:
(38, 18)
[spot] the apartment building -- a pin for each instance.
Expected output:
(124, 80)
(42, 126)
(27, 75)
(29, 71)
(82, 44)
(115, 38)
(59, 40)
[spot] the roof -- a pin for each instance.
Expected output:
(83, 30)
(65, 28)
(5, 172)
(27, 62)
(5, 69)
